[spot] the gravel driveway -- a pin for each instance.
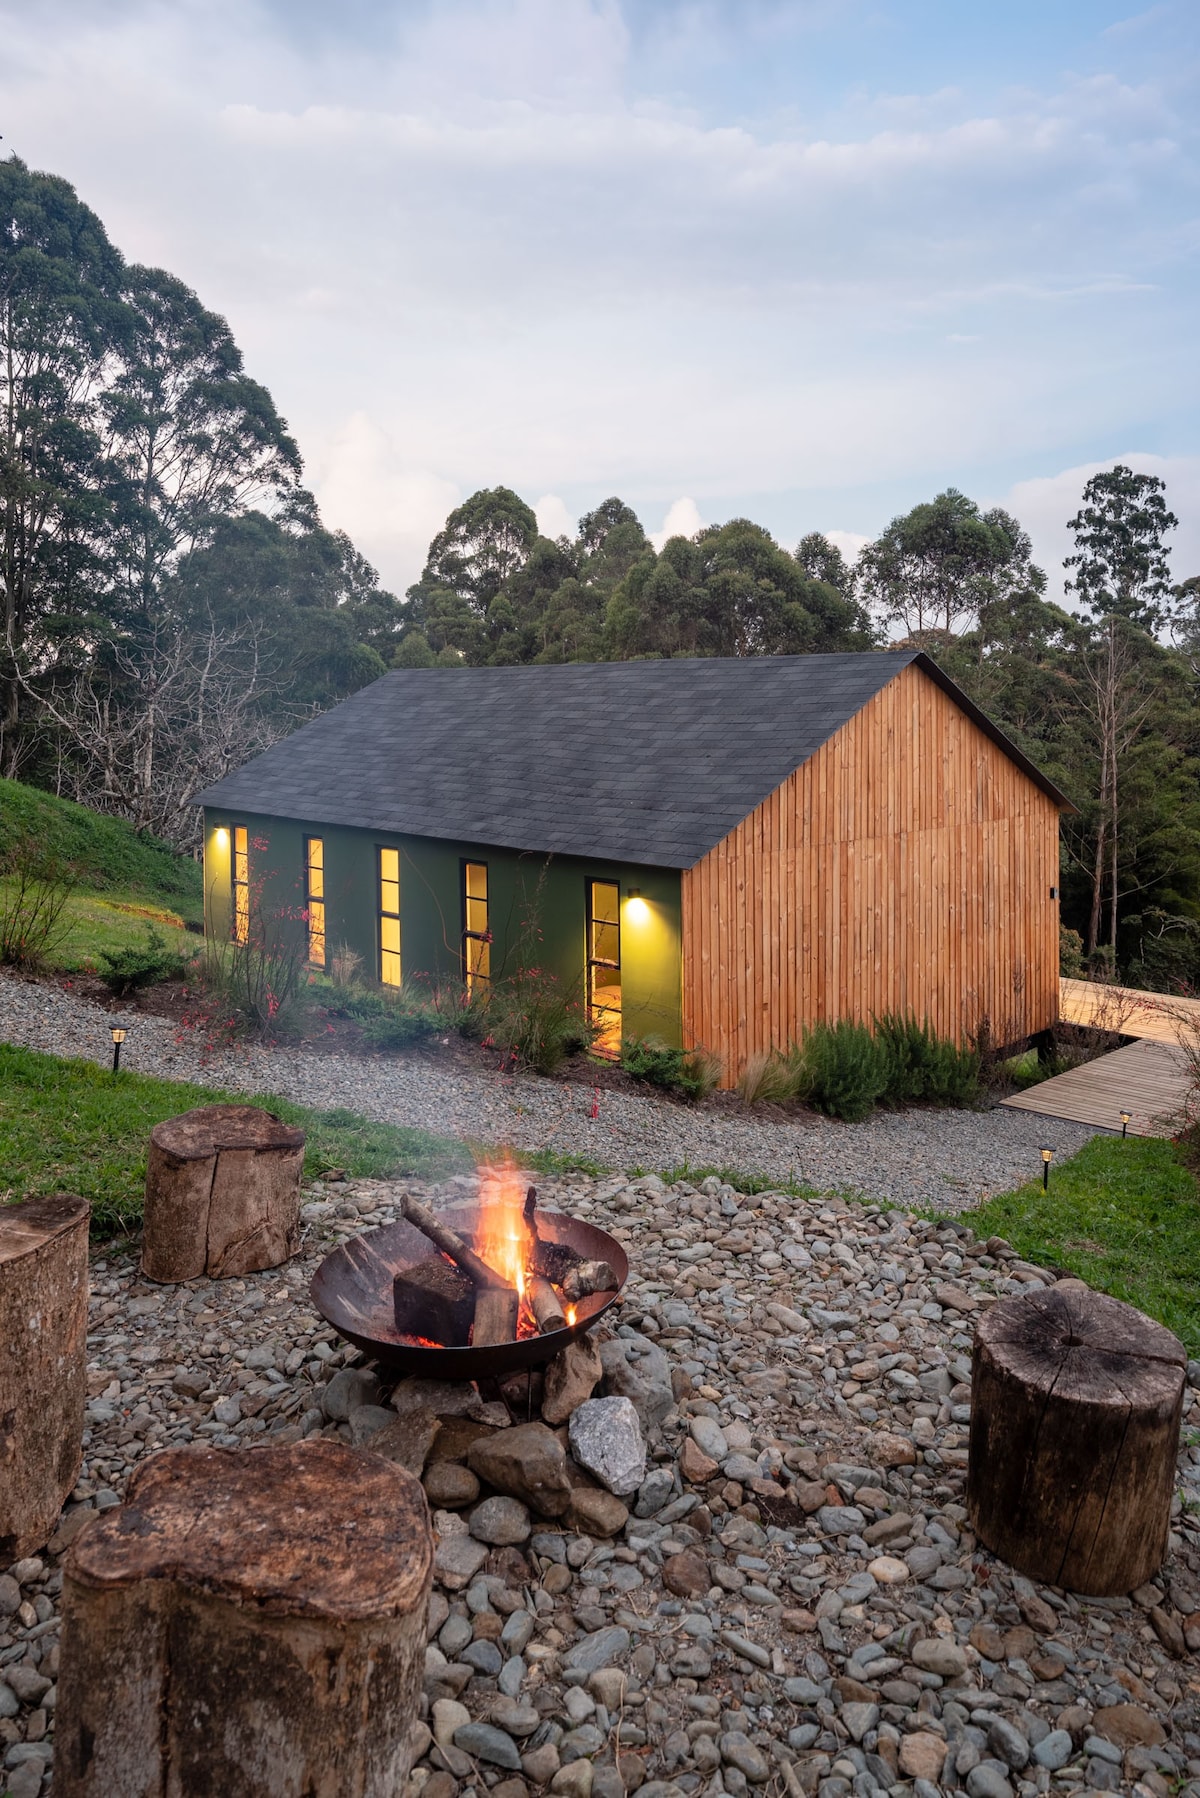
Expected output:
(951, 1159)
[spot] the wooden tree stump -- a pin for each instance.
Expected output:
(1076, 1401)
(222, 1193)
(248, 1624)
(43, 1365)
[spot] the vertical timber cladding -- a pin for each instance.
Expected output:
(906, 866)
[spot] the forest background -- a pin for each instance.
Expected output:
(173, 602)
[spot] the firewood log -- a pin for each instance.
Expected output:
(450, 1243)
(545, 1305)
(496, 1310)
(588, 1277)
(435, 1300)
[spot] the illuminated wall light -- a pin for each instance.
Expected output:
(636, 909)
(221, 837)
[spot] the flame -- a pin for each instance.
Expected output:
(500, 1237)
(570, 1317)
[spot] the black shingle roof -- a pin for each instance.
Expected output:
(645, 762)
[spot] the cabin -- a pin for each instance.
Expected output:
(714, 852)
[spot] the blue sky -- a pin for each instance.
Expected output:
(808, 261)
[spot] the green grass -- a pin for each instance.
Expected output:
(69, 1126)
(96, 922)
(107, 855)
(1122, 1215)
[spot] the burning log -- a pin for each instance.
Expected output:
(497, 1303)
(435, 1300)
(545, 1305)
(588, 1277)
(553, 1260)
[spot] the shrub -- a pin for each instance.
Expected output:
(533, 1018)
(344, 964)
(127, 970)
(34, 889)
(402, 1021)
(920, 1065)
(262, 984)
(845, 1070)
(1070, 953)
(690, 1073)
(772, 1078)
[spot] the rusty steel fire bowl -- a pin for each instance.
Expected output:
(352, 1290)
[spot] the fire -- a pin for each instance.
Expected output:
(500, 1237)
(570, 1317)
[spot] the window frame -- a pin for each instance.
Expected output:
(480, 975)
(315, 902)
(239, 883)
(382, 915)
(592, 961)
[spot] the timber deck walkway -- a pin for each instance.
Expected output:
(1148, 1078)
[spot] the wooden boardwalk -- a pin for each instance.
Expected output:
(1148, 1078)
(1157, 1017)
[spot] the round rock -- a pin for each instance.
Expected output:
(500, 1521)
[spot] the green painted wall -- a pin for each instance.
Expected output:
(527, 894)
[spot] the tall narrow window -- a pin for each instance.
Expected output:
(239, 880)
(389, 917)
(604, 963)
(314, 898)
(477, 938)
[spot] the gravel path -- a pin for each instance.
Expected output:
(951, 1159)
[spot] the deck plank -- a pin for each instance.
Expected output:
(1155, 1017)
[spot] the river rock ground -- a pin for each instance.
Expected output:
(792, 1602)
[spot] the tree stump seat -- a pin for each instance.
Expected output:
(1076, 1401)
(43, 1365)
(222, 1193)
(248, 1624)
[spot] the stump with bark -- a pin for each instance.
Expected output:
(248, 1624)
(1076, 1401)
(222, 1193)
(43, 1365)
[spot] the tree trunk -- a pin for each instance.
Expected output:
(249, 1624)
(43, 1366)
(1076, 1401)
(222, 1193)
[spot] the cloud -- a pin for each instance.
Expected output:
(682, 520)
(553, 518)
(391, 509)
(849, 542)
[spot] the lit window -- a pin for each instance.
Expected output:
(314, 898)
(604, 963)
(477, 939)
(240, 883)
(389, 917)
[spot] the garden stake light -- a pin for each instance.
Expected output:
(118, 1037)
(1125, 1117)
(1046, 1155)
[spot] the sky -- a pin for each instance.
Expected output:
(803, 261)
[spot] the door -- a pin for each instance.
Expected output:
(604, 963)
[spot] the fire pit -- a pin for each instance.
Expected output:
(356, 1288)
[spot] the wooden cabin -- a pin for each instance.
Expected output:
(714, 852)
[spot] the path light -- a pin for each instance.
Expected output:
(1125, 1119)
(1047, 1156)
(118, 1037)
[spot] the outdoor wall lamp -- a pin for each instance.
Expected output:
(635, 905)
(1126, 1117)
(118, 1037)
(1047, 1155)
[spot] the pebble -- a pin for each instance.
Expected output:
(606, 1438)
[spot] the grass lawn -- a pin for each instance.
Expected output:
(96, 922)
(69, 1126)
(106, 855)
(1122, 1215)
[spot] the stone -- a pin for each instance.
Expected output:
(696, 1467)
(515, 1717)
(484, 1742)
(840, 1520)
(526, 1462)
(500, 1521)
(595, 1513)
(574, 1780)
(570, 1378)
(349, 1388)
(191, 1382)
(541, 1764)
(366, 1424)
(654, 1491)
(888, 1571)
(449, 1485)
(737, 1750)
(1008, 1744)
(988, 1780)
(457, 1560)
(890, 1451)
(1129, 1726)
(859, 1718)
(446, 1715)
(606, 1438)
(600, 1649)
(686, 1574)
(607, 1686)
(709, 1438)
(921, 1756)
(937, 1654)
(637, 1369)
(406, 1439)
(1054, 1750)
